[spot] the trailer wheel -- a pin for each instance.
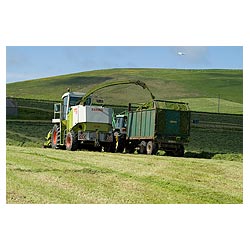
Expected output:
(151, 148)
(71, 141)
(130, 149)
(142, 147)
(55, 137)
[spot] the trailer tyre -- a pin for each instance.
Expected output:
(142, 147)
(71, 141)
(130, 149)
(55, 137)
(151, 148)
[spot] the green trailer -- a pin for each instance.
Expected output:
(157, 125)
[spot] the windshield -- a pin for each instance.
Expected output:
(121, 122)
(74, 100)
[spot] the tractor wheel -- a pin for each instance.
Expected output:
(180, 152)
(151, 148)
(110, 147)
(71, 141)
(55, 137)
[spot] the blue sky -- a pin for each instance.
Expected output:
(32, 62)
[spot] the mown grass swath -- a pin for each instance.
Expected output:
(53, 176)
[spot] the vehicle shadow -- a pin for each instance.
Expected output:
(203, 155)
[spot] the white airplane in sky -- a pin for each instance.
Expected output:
(181, 53)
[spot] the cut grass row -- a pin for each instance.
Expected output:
(52, 176)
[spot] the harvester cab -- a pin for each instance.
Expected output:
(69, 100)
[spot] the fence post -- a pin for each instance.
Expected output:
(219, 103)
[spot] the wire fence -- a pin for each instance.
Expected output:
(198, 119)
(217, 121)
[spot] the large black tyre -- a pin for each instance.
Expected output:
(71, 141)
(181, 151)
(110, 147)
(55, 136)
(130, 148)
(151, 148)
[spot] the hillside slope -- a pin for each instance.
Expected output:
(194, 86)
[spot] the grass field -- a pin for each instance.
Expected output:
(26, 133)
(53, 176)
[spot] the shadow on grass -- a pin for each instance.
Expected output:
(79, 82)
(204, 155)
(215, 156)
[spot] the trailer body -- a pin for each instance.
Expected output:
(158, 125)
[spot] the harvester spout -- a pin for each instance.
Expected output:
(110, 84)
(144, 86)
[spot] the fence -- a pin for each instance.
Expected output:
(216, 121)
(198, 119)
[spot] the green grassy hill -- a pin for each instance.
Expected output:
(200, 88)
